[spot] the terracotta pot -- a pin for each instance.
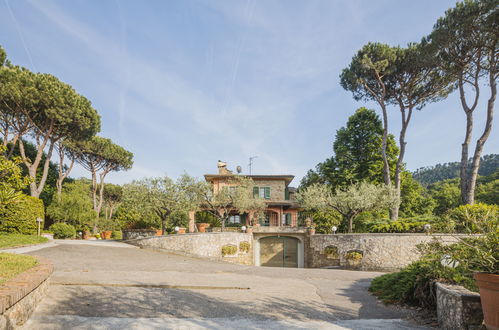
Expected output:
(202, 226)
(489, 296)
(87, 234)
(159, 232)
(181, 230)
(106, 234)
(311, 231)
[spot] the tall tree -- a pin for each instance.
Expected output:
(465, 41)
(113, 195)
(357, 153)
(413, 84)
(366, 77)
(349, 201)
(100, 156)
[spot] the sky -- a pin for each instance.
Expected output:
(183, 84)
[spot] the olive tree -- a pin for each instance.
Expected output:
(350, 201)
(465, 42)
(163, 196)
(236, 195)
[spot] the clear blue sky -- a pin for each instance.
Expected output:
(182, 84)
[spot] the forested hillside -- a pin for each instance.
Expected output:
(431, 174)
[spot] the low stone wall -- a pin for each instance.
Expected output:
(20, 295)
(385, 252)
(458, 308)
(203, 245)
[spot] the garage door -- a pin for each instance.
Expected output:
(279, 251)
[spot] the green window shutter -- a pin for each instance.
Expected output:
(255, 192)
(267, 192)
(288, 219)
(286, 194)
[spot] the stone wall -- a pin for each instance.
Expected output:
(20, 295)
(386, 252)
(137, 233)
(204, 245)
(458, 308)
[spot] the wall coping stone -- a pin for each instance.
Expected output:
(20, 286)
(458, 308)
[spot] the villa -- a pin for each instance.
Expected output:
(282, 209)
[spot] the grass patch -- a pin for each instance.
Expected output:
(13, 264)
(13, 240)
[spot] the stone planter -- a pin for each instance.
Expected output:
(458, 308)
(311, 231)
(181, 230)
(202, 226)
(489, 295)
(353, 263)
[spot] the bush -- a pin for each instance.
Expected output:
(117, 234)
(244, 247)
(63, 230)
(353, 255)
(229, 250)
(410, 225)
(20, 217)
(475, 218)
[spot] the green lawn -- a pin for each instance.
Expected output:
(13, 240)
(14, 264)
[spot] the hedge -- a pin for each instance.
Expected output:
(20, 217)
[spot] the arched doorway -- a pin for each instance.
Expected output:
(279, 251)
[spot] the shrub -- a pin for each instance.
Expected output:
(117, 234)
(411, 225)
(353, 255)
(474, 218)
(229, 250)
(63, 230)
(331, 252)
(244, 247)
(20, 217)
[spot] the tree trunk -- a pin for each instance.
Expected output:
(350, 222)
(473, 173)
(465, 156)
(101, 191)
(36, 189)
(384, 141)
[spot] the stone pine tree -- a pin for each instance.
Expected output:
(412, 85)
(100, 156)
(465, 42)
(366, 77)
(349, 201)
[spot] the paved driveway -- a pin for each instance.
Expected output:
(110, 285)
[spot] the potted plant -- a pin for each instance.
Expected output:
(202, 226)
(486, 262)
(311, 229)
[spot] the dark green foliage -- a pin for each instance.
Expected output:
(431, 174)
(63, 230)
(207, 217)
(414, 198)
(324, 221)
(410, 225)
(117, 234)
(446, 195)
(20, 217)
(357, 153)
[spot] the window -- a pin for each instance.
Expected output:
(235, 219)
(261, 192)
(286, 219)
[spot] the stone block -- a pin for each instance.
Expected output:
(458, 308)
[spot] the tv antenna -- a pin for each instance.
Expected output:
(251, 163)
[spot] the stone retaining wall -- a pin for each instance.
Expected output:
(137, 233)
(20, 295)
(386, 252)
(204, 245)
(458, 308)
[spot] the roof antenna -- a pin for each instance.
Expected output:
(251, 163)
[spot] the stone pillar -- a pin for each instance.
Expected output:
(192, 221)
